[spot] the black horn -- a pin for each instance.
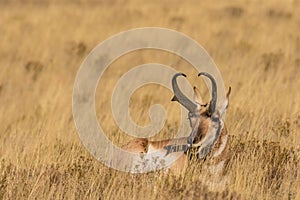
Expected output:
(213, 102)
(180, 97)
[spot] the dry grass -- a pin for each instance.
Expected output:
(42, 44)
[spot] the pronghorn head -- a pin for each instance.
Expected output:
(205, 118)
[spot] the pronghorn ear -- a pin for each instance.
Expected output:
(225, 104)
(197, 96)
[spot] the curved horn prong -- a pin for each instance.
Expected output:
(213, 102)
(180, 97)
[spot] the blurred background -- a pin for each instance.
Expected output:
(255, 45)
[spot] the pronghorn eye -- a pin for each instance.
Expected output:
(203, 105)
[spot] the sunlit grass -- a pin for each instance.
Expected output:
(255, 45)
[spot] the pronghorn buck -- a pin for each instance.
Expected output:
(208, 138)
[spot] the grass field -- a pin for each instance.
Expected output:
(255, 45)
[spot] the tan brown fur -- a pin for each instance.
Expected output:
(201, 119)
(138, 145)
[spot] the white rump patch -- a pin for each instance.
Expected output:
(154, 159)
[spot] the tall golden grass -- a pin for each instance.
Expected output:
(255, 44)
